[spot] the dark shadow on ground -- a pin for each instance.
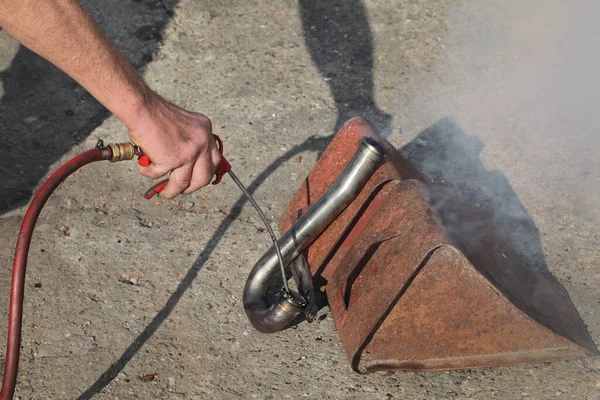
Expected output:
(339, 39)
(44, 113)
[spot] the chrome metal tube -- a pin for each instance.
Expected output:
(269, 318)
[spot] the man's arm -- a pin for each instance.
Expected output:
(175, 140)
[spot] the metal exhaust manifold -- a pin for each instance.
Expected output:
(269, 318)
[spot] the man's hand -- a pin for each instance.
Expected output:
(174, 139)
(178, 141)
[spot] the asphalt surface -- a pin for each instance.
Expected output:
(119, 287)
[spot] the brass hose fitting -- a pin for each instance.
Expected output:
(123, 151)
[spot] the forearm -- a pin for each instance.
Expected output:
(62, 32)
(176, 140)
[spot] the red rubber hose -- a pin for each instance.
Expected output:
(15, 316)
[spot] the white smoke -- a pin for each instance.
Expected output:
(520, 81)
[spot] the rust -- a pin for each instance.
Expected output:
(406, 295)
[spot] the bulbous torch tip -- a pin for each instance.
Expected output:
(277, 316)
(123, 151)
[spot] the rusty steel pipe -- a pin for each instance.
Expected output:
(269, 318)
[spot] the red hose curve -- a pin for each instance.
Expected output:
(15, 316)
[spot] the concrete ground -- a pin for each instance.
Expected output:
(276, 78)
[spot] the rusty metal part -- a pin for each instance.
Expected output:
(123, 151)
(357, 169)
(405, 295)
(325, 173)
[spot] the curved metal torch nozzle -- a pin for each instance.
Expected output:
(269, 318)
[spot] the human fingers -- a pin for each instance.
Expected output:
(153, 171)
(179, 180)
(204, 169)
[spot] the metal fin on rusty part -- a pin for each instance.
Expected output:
(406, 292)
